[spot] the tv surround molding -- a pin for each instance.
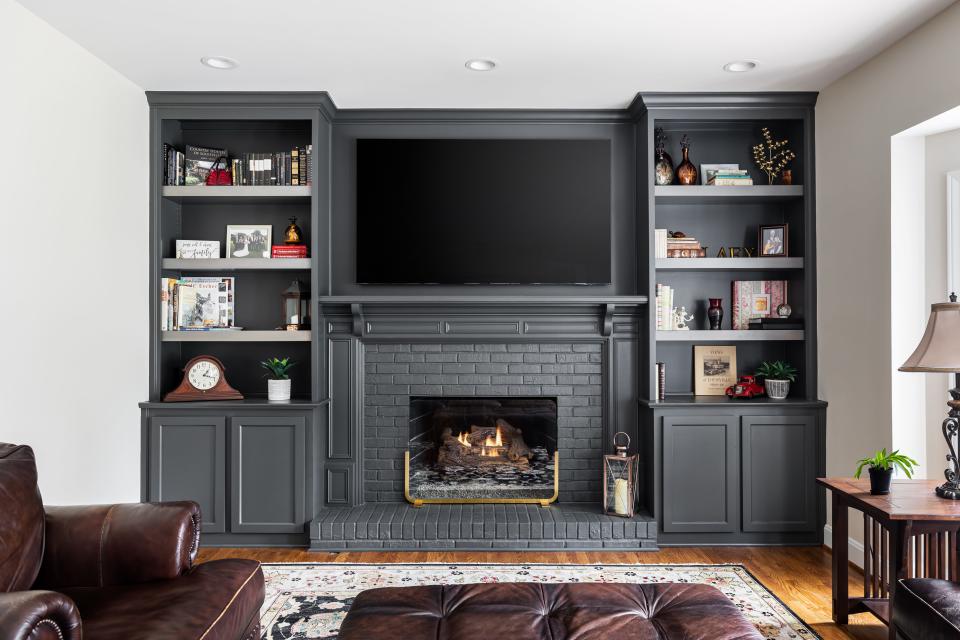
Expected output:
(326, 470)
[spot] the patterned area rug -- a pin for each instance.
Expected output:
(311, 600)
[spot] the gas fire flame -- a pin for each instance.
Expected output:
(462, 439)
(491, 446)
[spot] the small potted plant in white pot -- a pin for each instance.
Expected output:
(777, 377)
(278, 378)
(881, 467)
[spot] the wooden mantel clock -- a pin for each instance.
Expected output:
(203, 379)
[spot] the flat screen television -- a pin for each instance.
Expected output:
(453, 211)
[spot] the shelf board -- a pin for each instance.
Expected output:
(237, 194)
(704, 194)
(726, 335)
(246, 403)
(533, 300)
(238, 264)
(689, 400)
(728, 264)
(235, 336)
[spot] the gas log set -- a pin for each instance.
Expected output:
(481, 446)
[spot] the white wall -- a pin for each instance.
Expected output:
(74, 301)
(856, 117)
(942, 155)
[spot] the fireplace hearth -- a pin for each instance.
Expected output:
(482, 449)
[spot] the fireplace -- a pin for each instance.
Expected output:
(493, 449)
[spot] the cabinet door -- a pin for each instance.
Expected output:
(187, 462)
(700, 474)
(779, 473)
(268, 474)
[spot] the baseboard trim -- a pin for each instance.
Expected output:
(854, 547)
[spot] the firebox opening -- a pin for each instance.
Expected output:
(482, 448)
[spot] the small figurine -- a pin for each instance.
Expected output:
(292, 234)
(681, 319)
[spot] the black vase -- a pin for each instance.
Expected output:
(880, 480)
(715, 313)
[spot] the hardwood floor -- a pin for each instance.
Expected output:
(800, 576)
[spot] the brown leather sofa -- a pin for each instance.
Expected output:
(927, 609)
(534, 611)
(113, 571)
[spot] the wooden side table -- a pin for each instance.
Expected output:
(908, 533)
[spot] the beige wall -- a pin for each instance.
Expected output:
(942, 155)
(856, 116)
(74, 262)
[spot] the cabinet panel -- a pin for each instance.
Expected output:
(779, 473)
(268, 474)
(700, 474)
(187, 462)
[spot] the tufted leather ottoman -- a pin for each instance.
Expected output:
(533, 611)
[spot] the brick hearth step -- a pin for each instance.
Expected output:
(481, 526)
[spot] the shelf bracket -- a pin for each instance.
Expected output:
(358, 322)
(606, 329)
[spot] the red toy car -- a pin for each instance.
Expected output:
(746, 387)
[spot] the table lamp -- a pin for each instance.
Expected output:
(939, 352)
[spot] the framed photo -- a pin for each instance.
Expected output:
(773, 241)
(249, 240)
(714, 369)
(707, 171)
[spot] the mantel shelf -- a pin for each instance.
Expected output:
(531, 300)
(726, 335)
(237, 194)
(238, 264)
(704, 194)
(235, 336)
(728, 264)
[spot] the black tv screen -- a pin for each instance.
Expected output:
(483, 211)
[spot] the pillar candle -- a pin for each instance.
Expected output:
(621, 497)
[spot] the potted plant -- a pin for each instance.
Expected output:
(278, 378)
(881, 469)
(777, 377)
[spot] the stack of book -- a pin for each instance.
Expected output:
(731, 178)
(665, 308)
(289, 251)
(174, 169)
(767, 324)
(660, 243)
(197, 304)
(685, 247)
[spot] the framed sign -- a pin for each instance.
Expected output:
(714, 369)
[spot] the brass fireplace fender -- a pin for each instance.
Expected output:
(419, 502)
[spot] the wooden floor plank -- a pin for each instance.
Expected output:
(800, 576)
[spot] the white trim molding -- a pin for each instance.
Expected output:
(953, 231)
(854, 547)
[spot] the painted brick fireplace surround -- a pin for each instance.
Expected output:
(584, 353)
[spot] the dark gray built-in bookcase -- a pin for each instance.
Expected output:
(307, 472)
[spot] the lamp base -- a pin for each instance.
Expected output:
(948, 491)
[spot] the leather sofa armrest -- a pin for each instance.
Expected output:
(98, 546)
(38, 615)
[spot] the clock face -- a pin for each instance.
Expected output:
(204, 375)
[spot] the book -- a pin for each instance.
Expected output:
(225, 287)
(295, 167)
(776, 323)
(199, 161)
(660, 243)
(199, 304)
(289, 251)
(756, 299)
(197, 249)
(695, 252)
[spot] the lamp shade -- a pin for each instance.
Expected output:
(939, 349)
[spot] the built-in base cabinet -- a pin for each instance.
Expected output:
(738, 476)
(251, 472)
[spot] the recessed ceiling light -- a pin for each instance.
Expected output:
(740, 66)
(219, 62)
(480, 64)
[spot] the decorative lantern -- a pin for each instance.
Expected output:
(296, 307)
(620, 478)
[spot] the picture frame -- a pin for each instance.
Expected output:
(773, 241)
(249, 240)
(714, 369)
(707, 171)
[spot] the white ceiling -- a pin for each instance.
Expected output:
(550, 53)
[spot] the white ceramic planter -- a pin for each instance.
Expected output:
(278, 390)
(777, 389)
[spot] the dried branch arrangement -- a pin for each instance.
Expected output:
(772, 156)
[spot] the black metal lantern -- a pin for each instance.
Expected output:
(621, 473)
(296, 307)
